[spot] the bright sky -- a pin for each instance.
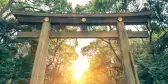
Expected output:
(79, 67)
(81, 64)
(82, 42)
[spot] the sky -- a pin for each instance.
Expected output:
(82, 62)
(82, 42)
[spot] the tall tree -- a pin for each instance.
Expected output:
(60, 60)
(104, 61)
(19, 54)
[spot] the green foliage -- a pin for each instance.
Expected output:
(79, 8)
(60, 60)
(15, 66)
(103, 5)
(151, 61)
(50, 6)
(6, 62)
(150, 57)
(3, 3)
(104, 67)
(7, 51)
(100, 6)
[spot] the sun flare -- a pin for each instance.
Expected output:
(79, 67)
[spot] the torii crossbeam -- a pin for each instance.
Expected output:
(134, 18)
(118, 19)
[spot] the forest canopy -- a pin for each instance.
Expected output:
(105, 67)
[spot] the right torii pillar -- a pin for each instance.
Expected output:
(127, 61)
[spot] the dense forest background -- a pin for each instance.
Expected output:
(150, 55)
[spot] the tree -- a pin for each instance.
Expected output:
(60, 60)
(101, 6)
(5, 8)
(103, 62)
(20, 62)
(16, 56)
(102, 48)
(50, 6)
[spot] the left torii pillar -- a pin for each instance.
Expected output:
(39, 66)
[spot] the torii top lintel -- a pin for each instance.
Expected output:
(133, 18)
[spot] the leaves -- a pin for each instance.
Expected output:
(61, 57)
(16, 56)
(103, 62)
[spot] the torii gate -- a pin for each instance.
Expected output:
(118, 19)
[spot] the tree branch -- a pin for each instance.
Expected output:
(111, 47)
(8, 6)
(6, 16)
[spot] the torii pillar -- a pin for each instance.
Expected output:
(130, 74)
(39, 67)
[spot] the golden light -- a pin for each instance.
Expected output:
(80, 66)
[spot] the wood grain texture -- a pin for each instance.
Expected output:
(112, 34)
(134, 69)
(32, 18)
(21, 13)
(125, 53)
(39, 66)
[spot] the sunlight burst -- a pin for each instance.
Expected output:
(79, 67)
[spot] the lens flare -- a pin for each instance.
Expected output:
(79, 67)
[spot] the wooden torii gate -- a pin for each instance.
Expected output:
(118, 19)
